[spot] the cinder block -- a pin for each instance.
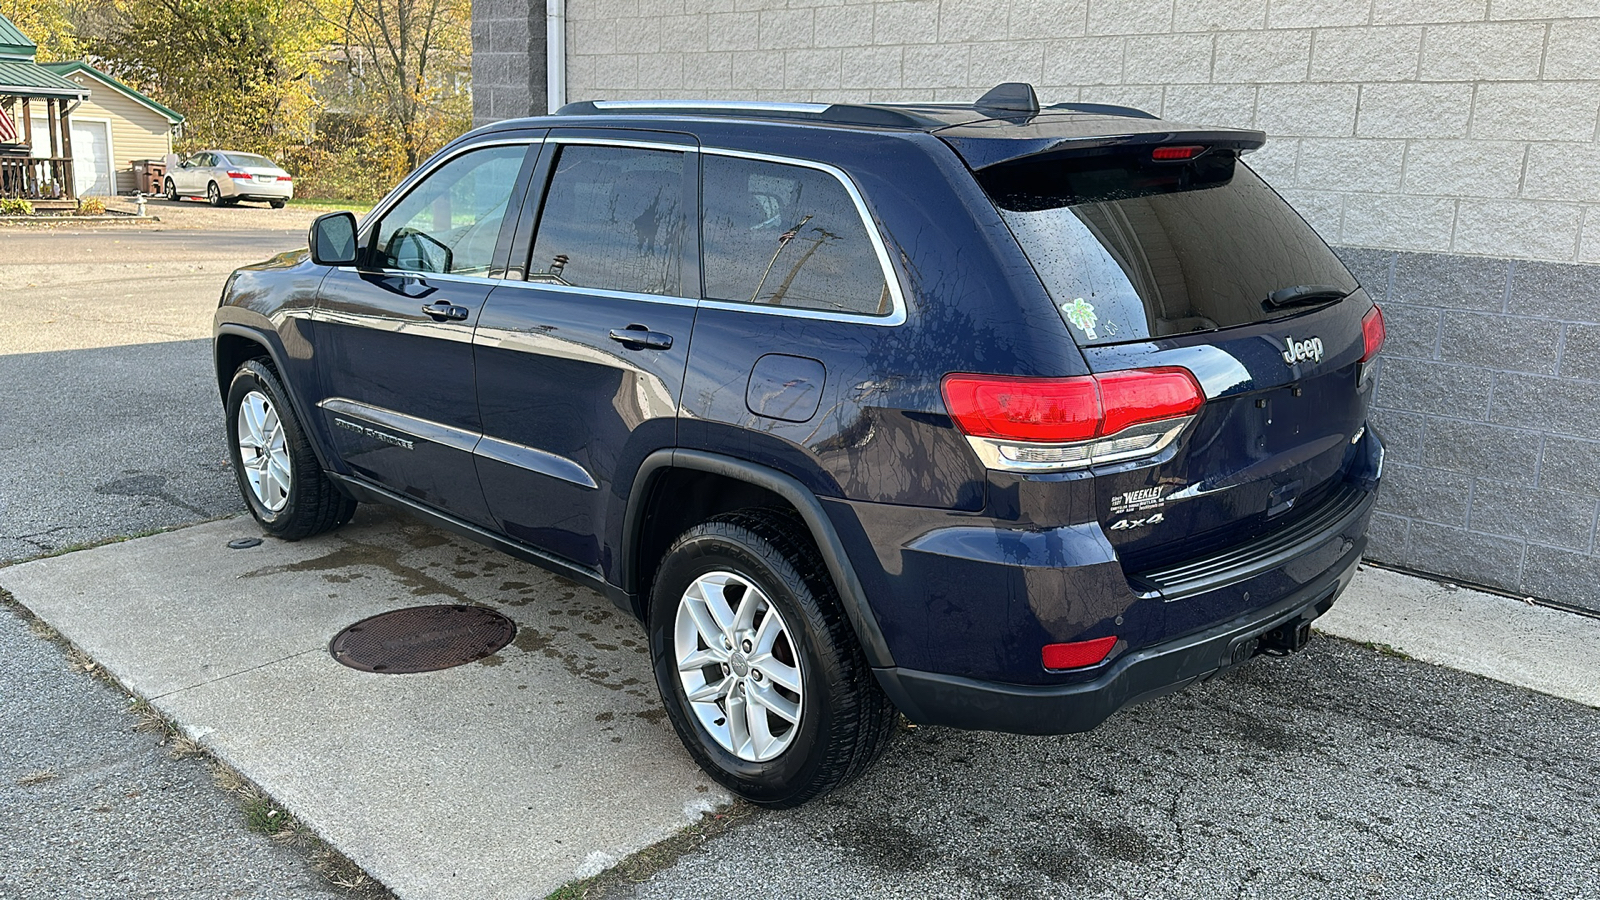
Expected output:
(1276, 161)
(1557, 405)
(1219, 15)
(1540, 9)
(1350, 164)
(1035, 19)
(684, 34)
(1403, 433)
(1464, 168)
(1533, 229)
(1423, 494)
(1549, 111)
(1168, 59)
(1130, 16)
(1579, 359)
(1511, 455)
(1483, 51)
(871, 67)
(1406, 223)
(1148, 99)
(812, 70)
(1386, 537)
(1435, 389)
(1370, 267)
(935, 66)
(1457, 553)
(1573, 53)
(1506, 343)
(1230, 105)
(1527, 514)
(844, 26)
(1413, 331)
(1571, 464)
(906, 22)
(1431, 111)
(1424, 11)
(734, 31)
(786, 29)
(1450, 281)
(661, 73)
(1564, 575)
(972, 22)
(756, 71)
(1569, 293)
(1314, 13)
(1357, 55)
(1083, 61)
(1563, 172)
(1262, 56)
(1307, 110)
(1322, 210)
(992, 64)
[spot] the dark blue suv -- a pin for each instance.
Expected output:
(998, 416)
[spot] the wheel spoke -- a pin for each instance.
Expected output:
(771, 626)
(753, 600)
(279, 475)
(710, 691)
(782, 674)
(699, 659)
(704, 622)
(739, 726)
(761, 739)
(782, 706)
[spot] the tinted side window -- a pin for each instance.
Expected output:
(788, 236)
(449, 222)
(613, 219)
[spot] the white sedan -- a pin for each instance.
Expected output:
(224, 177)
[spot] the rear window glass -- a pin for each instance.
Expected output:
(250, 159)
(791, 236)
(1131, 250)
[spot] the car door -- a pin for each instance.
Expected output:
(187, 177)
(580, 366)
(394, 333)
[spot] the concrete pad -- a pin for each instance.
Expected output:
(499, 779)
(1534, 647)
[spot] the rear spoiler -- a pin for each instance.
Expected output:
(995, 142)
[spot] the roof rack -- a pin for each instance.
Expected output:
(839, 113)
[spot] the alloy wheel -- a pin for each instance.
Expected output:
(738, 667)
(264, 451)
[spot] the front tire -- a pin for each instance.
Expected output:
(757, 665)
(278, 473)
(172, 191)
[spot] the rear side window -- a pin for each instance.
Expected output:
(613, 219)
(450, 222)
(789, 236)
(1131, 250)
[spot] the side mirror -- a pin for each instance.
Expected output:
(333, 239)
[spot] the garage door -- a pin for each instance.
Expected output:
(91, 155)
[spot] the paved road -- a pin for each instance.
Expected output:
(110, 425)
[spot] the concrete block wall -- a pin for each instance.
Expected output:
(508, 60)
(1447, 148)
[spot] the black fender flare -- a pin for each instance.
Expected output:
(257, 336)
(853, 595)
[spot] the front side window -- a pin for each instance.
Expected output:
(613, 219)
(449, 223)
(789, 236)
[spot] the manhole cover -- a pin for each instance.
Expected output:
(422, 639)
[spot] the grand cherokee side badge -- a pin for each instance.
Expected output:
(1300, 351)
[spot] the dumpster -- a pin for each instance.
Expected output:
(148, 175)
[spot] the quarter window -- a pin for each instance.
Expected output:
(613, 219)
(790, 236)
(450, 222)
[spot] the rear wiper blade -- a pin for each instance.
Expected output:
(1305, 295)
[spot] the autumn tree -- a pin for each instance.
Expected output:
(49, 23)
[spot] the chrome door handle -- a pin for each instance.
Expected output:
(445, 311)
(637, 337)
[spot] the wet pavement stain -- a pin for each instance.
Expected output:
(147, 485)
(353, 554)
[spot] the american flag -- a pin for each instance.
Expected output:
(8, 128)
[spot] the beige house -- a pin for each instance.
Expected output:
(113, 127)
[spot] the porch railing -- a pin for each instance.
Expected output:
(36, 177)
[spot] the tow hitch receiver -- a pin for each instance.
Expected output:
(1290, 637)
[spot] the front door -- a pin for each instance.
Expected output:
(581, 365)
(394, 335)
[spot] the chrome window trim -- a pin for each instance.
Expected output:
(620, 142)
(897, 312)
(665, 299)
(750, 105)
(423, 429)
(532, 459)
(382, 209)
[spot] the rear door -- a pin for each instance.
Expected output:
(394, 334)
(1152, 264)
(580, 365)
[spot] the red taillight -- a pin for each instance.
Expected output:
(1077, 654)
(241, 175)
(1372, 332)
(1172, 154)
(285, 177)
(1065, 410)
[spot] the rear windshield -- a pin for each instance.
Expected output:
(1131, 250)
(250, 159)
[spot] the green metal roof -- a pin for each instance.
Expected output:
(20, 78)
(74, 66)
(13, 43)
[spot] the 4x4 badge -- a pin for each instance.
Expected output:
(1300, 351)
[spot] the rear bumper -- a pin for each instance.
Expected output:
(934, 699)
(251, 190)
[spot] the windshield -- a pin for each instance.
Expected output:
(1132, 250)
(250, 159)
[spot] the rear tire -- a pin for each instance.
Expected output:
(278, 472)
(213, 194)
(779, 636)
(277, 204)
(172, 191)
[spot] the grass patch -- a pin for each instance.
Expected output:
(1385, 649)
(332, 205)
(33, 778)
(652, 859)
